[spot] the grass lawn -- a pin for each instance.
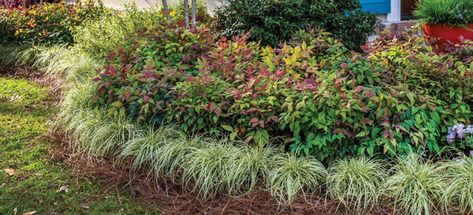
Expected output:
(29, 181)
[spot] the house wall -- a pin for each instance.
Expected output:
(395, 15)
(211, 4)
(386, 10)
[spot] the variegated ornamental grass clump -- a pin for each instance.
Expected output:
(356, 182)
(415, 186)
(459, 189)
(292, 176)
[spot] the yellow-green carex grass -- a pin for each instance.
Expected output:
(459, 192)
(247, 167)
(207, 168)
(295, 175)
(145, 147)
(355, 182)
(415, 186)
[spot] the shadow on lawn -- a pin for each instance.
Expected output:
(30, 182)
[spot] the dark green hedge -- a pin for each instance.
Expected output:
(273, 21)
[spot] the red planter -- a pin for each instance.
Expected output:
(442, 36)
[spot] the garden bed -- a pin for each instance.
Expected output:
(229, 123)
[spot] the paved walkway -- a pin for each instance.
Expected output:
(211, 4)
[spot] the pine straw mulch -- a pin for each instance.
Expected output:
(173, 198)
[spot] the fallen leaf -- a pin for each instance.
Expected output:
(30, 213)
(64, 189)
(10, 171)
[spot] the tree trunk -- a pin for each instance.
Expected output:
(194, 19)
(166, 10)
(186, 13)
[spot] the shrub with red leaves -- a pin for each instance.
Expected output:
(138, 79)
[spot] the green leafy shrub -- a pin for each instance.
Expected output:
(415, 186)
(273, 21)
(138, 79)
(323, 100)
(355, 182)
(320, 99)
(47, 23)
(451, 12)
(445, 78)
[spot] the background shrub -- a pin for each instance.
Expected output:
(47, 23)
(104, 30)
(7, 27)
(202, 16)
(273, 21)
(104, 33)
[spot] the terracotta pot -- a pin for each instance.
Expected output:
(442, 36)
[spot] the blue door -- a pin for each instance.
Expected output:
(376, 6)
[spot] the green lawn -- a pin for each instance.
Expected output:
(29, 181)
